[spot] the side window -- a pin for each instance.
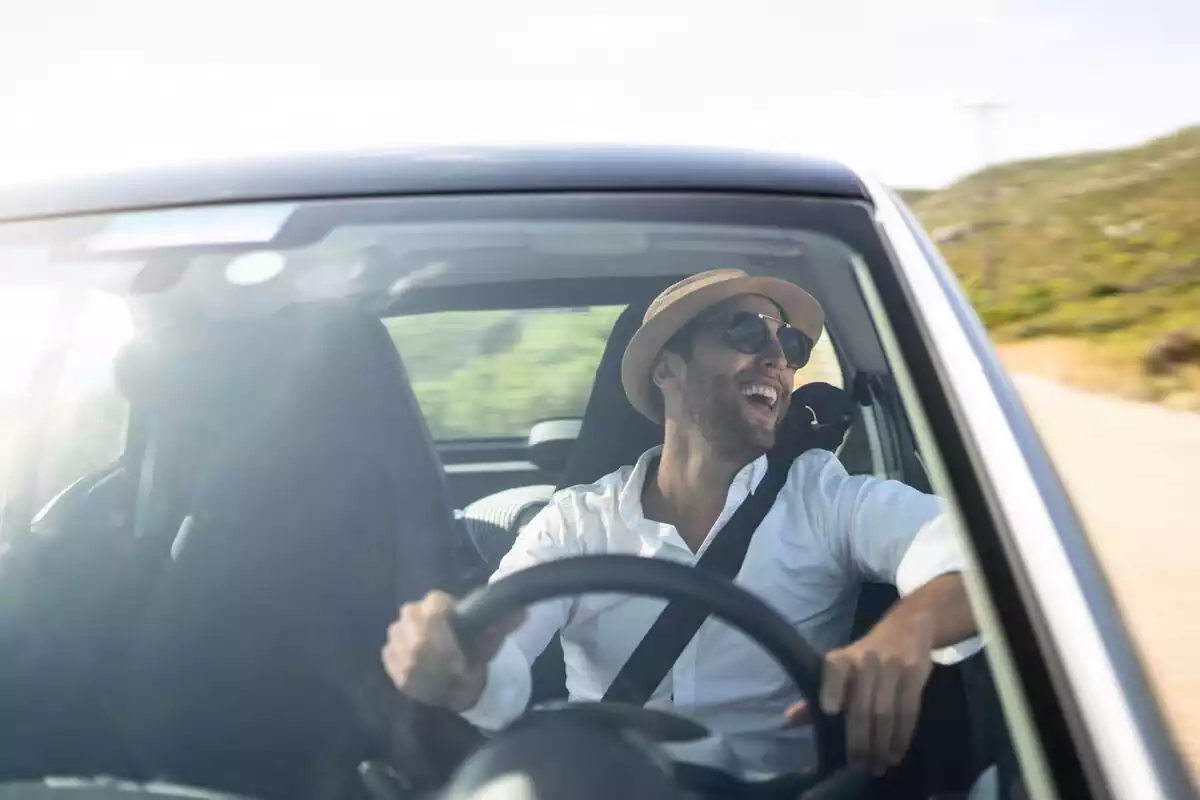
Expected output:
(493, 374)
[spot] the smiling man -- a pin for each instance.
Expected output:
(714, 362)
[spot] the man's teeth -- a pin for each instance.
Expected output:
(762, 390)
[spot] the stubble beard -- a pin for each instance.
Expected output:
(715, 410)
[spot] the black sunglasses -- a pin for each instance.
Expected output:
(748, 332)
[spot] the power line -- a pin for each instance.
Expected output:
(986, 111)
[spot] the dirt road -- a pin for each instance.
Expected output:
(1133, 471)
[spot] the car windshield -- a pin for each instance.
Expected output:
(234, 439)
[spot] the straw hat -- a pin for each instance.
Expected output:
(681, 303)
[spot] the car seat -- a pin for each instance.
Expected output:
(256, 668)
(71, 587)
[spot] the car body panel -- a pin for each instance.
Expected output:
(435, 172)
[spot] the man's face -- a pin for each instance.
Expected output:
(734, 400)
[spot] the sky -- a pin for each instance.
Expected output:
(891, 87)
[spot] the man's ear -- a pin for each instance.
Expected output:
(663, 368)
(659, 373)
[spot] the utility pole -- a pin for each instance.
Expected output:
(991, 194)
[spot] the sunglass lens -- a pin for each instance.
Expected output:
(796, 347)
(747, 332)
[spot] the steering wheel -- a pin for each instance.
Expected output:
(627, 574)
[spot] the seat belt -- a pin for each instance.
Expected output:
(678, 623)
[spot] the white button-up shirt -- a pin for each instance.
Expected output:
(827, 532)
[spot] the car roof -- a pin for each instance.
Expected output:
(439, 171)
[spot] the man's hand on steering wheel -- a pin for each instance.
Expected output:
(425, 659)
(877, 682)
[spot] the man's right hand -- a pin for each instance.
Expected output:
(426, 661)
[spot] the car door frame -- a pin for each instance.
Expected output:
(1078, 703)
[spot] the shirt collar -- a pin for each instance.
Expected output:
(629, 501)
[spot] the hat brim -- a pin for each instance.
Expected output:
(800, 309)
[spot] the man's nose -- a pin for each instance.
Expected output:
(772, 352)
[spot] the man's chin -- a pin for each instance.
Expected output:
(761, 436)
(766, 440)
(745, 433)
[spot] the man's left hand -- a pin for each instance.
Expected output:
(877, 682)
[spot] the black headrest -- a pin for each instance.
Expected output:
(181, 370)
(340, 391)
(311, 405)
(613, 433)
(819, 416)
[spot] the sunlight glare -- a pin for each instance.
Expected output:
(31, 316)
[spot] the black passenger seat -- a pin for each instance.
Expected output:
(320, 510)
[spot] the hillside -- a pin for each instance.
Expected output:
(1095, 257)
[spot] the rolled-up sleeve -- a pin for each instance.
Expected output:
(890, 532)
(507, 691)
(509, 683)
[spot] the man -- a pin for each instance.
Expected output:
(714, 362)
